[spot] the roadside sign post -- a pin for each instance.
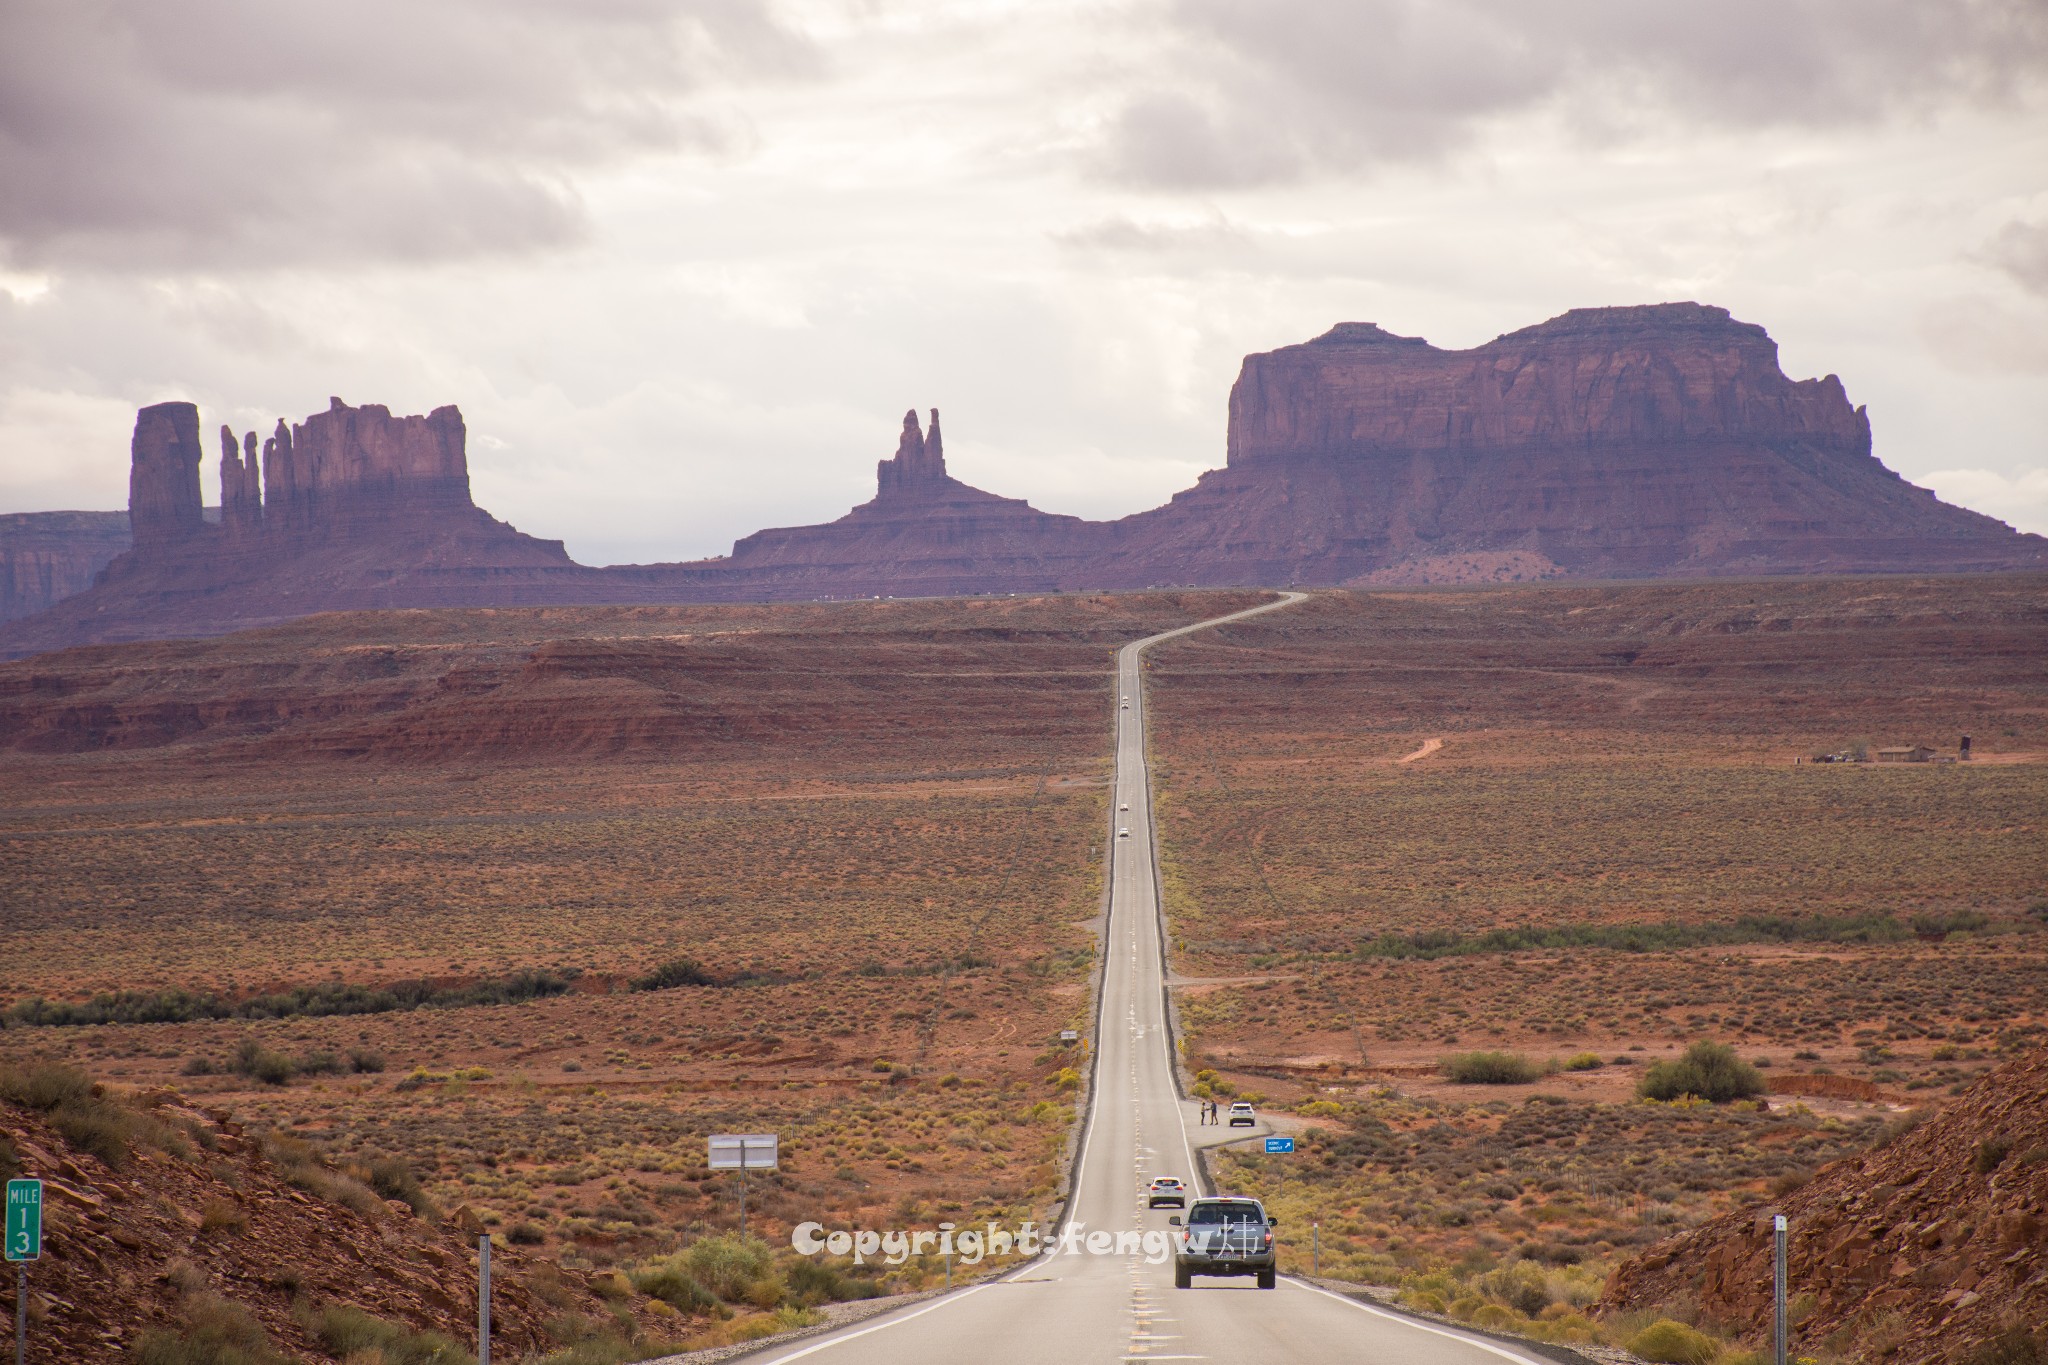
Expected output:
(742, 1152)
(483, 1299)
(1316, 1256)
(1280, 1146)
(24, 1244)
(1778, 1285)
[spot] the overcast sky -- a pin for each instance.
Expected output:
(684, 264)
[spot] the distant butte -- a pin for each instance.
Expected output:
(1658, 441)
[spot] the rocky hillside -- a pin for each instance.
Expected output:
(167, 1222)
(1924, 1250)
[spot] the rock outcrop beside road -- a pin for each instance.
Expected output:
(1943, 1232)
(158, 1210)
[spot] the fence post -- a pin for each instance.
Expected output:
(483, 1299)
(1778, 1284)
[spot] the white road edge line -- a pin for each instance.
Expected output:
(890, 1320)
(1482, 1343)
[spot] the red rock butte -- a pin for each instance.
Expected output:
(1658, 441)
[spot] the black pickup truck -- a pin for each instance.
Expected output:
(1225, 1237)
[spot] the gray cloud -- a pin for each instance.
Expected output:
(1118, 234)
(1284, 89)
(2021, 251)
(234, 133)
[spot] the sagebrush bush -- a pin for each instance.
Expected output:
(254, 1060)
(675, 1286)
(1707, 1071)
(1673, 1343)
(730, 1265)
(2014, 1346)
(216, 1332)
(393, 1179)
(89, 1119)
(1520, 1285)
(346, 1330)
(1489, 1068)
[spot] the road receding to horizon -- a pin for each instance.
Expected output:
(1078, 1306)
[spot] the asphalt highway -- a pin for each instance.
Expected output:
(1075, 1306)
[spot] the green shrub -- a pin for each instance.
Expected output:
(393, 1179)
(1673, 1343)
(678, 1288)
(677, 971)
(75, 1107)
(1707, 1071)
(43, 1085)
(254, 1060)
(729, 1264)
(177, 1005)
(346, 1330)
(1520, 1285)
(814, 1282)
(1489, 1068)
(1584, 1061)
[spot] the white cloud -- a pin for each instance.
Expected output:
(2020, 500)
(760, 232)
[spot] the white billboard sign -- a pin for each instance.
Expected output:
(742, 1152)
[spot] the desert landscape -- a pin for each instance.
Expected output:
(502, 912)
(1449, 872)
(824, 683)
(654, 873)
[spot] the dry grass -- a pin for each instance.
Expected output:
(876, 827)
(1617, 772)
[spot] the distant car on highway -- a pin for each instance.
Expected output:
(1167, 1189)
(1241, 1115)
(1124, 833)
(1125, 806)
(1225, 1237)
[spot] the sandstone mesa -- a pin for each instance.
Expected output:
(1655, 441)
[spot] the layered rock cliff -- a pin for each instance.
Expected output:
(352, 508)
(924, 533)
(1610, 442)
(1662, 440)
(48, 556)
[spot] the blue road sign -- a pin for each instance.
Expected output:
(1279, 1144)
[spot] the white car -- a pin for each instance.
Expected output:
(1167, 1189)
(1241, 1115)
(1125, 806)
(1124, 833)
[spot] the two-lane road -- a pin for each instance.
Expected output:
(1101, 1308)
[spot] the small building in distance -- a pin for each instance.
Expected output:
(1909, 753)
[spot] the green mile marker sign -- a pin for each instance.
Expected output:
(24, 1220)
